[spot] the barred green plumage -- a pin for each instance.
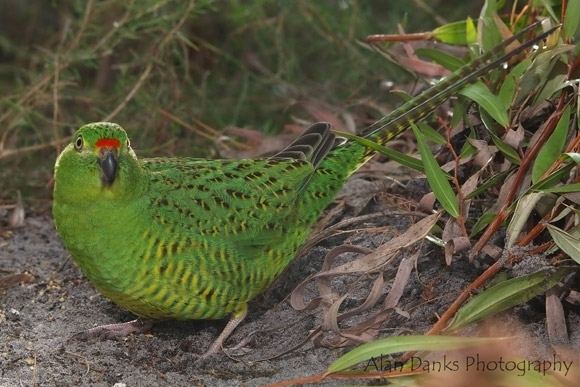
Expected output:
(186, 238)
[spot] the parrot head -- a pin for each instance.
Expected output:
(98, 162)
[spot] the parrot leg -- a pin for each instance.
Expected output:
(111, 331)
(235, 320)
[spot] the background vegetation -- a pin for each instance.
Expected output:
(176, 74)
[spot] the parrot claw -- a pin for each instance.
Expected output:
(217, 346)
(113, 331)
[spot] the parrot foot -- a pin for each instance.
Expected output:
(217, 345)
(113, 331)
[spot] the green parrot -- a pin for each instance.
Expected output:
(186, 238)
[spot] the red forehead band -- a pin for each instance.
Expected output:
(108, 143)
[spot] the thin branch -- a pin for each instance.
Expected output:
(145, 74)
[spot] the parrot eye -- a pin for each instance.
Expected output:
(79, 143)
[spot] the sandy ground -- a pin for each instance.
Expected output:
(38, 318)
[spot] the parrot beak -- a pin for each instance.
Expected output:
(109, 162)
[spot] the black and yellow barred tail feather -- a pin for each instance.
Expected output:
(312, 145)
(417, 108)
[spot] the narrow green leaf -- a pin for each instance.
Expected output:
(568, 242)
(482, 223)
(553, 147)
(573, 156)
(536, 76)
(491, 103)
(392, 154)
(552, 85)
(508, 88)
(450, 62)
(490, 182)
(572, 18)
(453, 33)
(467, 150)
(547, 4)
(505, 295)
(397, 344)
(566, 188)
(470, 30)
(488, 33)
(524, 207)
(554, 178)
(436, 178)
(432, 134)
(458, 113)
(510, 153)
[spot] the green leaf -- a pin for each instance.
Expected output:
(508, 87)
(538, 73)
(507, 150)
(436, 178)
(573, 156)
(397, 344)
(458, 112)
(450, 62)
(553, 147)
(491, 103)
(488, 33)
(553, 179)
(467, 150)
(568, 242)
(524, 207)
(432, 134)
(482, 223)
(547, 4)
(505, 295)
(491, 182)
(454, 33)
(566, 188)
(392, 154)
(470, 30)
(552, 85)
(572, 18)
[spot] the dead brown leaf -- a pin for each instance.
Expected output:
(401, 278)
(485, 152)
(514, 138)
(555, 318)
(11, 280)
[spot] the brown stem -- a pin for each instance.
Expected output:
(527, 162)
(399, 37)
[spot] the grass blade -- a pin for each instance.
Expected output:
(553, 147)
(490, 102)
(505, 295)
(396, 344)
(436, 178)
(566, 188)
(568, 242)
(455, 33)
(448, 61)
(392, 154)
(572, 18)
